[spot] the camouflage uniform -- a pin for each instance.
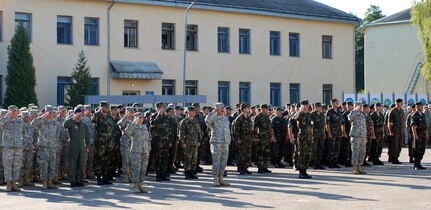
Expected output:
(190, 133)
(159, 127)
(89, 157)
(262, 132)
(104, 144)
(125, 145)
(116, 157)
(345, 147)
(12, 145)
(377, 145)
(305, 140)
(370, 126)
(293, 124)
(63, 146)
(242, 129)
(318, 135)
(139, 151)
(358, 136)
(47, 145)
(180, 150)
(418, 119)
(410, 134)
(335, 120)
(28, 156)
(279, 125)
(205, 144)
(220, 140)
(173, 133)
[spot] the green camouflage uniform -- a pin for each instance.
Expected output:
(318, 136)
(305, 140)
(104, 143)
(370, 125)
(292, 123)
(377, 145)
(242, 130)
(418, 119)
(262, 132)
(279, 125)
(159, 127)
(190, 133)
(173, 133)
(335, 119)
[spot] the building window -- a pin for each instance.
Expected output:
(168, 36)
(25, 20)
(223, 92)
(91, 31)
(64, 30)
(327, 46)
(294, 44)
(131, 92)
(63, 85)
(327, 93)
(274, 43)
(191, 87)
(294, 93)
(223, 40)
(192, 37)
(1, 27)
(131, 33)
(244, 92)
(168, 87)
(275, 93)
(244, 41)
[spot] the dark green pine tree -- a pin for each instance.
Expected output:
(81, 82)
(21, 74)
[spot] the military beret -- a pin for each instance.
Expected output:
(190, 109)
(334, 100)
(159, 104)
(218, 105)
(49, 108)
(77, 110)
(196, 105)
(138, 114)
(344, 103)
(378, 104)
(24, 114)
(178, 107)
(349, 103)
(169, 109)
(318, 104)
(12, 108)
(399, 100)
(104, 104)
(419, 103)
(130, 109)
(304, 102)
(392, 106)
(264, 106)
(372, 106)
(61, 108)
(147, 113)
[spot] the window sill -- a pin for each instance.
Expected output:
(245, 53)
(65, 44)
(224, 52)
(92, 45)
(275, 55)
(169, 49)
(136, 48)
(292, 56)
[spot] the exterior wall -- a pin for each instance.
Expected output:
(391, 52)
(206, 65)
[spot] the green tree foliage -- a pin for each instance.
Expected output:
(80, 86)
(373, 13)
(21, 74)
(421, 17)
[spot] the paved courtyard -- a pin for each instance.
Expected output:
(385, 187)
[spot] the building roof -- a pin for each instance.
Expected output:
(301, 9)
(397, 17)
(135, 70)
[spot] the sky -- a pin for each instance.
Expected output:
(359, 7)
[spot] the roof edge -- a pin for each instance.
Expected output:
(386, 23)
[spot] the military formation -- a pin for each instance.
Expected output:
(113, 142)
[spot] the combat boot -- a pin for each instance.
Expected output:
(140, 185)
(44, 185)
(303, 174)
(359, 167)
(216, 182)
(159, 177)
(222, 182)
(9, 187)
(136, 188)
(355, 170)
(126, 177)
(105, 179)
(187, 174)
(21, 182)
(15, 187)
(51, 185)
(99, 180)
(27, 182)
(165, 177)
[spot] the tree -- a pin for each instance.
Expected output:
(373, 13)
(21, 74)
(421, 17)
(80, 85)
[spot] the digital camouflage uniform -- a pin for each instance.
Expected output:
(305, 140)
(47, 146)
(12, 145)
(262, 132)
(125, 145)
(279, 125)
(418, 119)
(104, 143)
(335, 119)
(358, 136)
(63, 146)
(28, 156)
(377, 144)
(318, 136)
(139, 151)
(190, 133)
(159, 127)
(220, 141)
(242, 130)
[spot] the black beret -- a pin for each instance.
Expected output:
(304, 102)
(399, 100)
(318, 104)
(264, 106)
(419, 103)
(349, 103)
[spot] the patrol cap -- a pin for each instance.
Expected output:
(349, 103)
(399, 100)
(365, 106)
(23, 109)
(147, 113)
(77, 110)
(12, 108)
(318, 104)
(358, 103)
(178, 107)
(25, 114)
(378, 104)
(171, 105)
(49, 108)
(196, 105)
(304, 102)
(372, 106)
(334, 100)
(138, 114)
(159, 104)
(218, 105)
(85, 107)
(419, 103)
(130, 109)
(61, 109)
(228, 108)
(104, 104)
(169, 109)
(190, 109)
(34, 107)
(264, 106)
(33, 112)
(30, 104)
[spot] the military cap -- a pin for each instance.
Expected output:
(77, 110)
(23, 109)
(33, 112)
(30, 105)
(34, 107)
(218, 105)
(228, 108)
(358, 103)
(104, 104)
(279, 109)
(349, 103)
(205, 107)
(392, 106)
(304, 102)
(372, 106)
(138, 114)
(365, 105)
(238, 105)
(12, 108)
(298, 105)
(378, 104)
(318, 104)
(264, 106)
(399, 100)
(190, 109)
(86, 107)
(114, 106)
(334, 100)
(135, 105)
(80, 106)
(196, 105)
(413, 106)
(344, 104)
(25, 114)
(171, 105)
(70, 112)
(169, 109)
(244, 105)
(159, 104)
(257, 106)
(178, 107)
(49, 108)
(253, 107)
(130, 109)
(147, 113)
(140, 109)
(287, 105)
(3, 111)
(419, 103)
(120, 106)
(61, 108)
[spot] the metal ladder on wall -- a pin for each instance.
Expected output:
(414, 75)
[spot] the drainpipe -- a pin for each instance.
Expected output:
(108, 80)
(185, 46)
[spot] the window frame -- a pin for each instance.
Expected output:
(70, 29)
(30, 23)
(188, 87)
(172, 32)
(241, 89)
(275, 101)
(224, 86)
(90, 25)
(195, 34)
(298, 98)
(165, 86)
(326, 90)
(219, 39)
(296, 46)
(245, 34)
(325, 43)
(128, 31)
(278, 39)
